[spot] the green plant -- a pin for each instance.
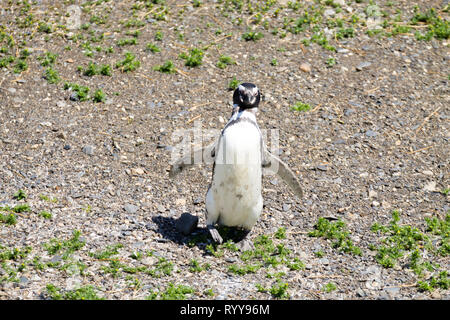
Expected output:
(330, 286)
(47, 59)
(129, 63)
(45, 214)
(172, 292)
(279, 290)
(66, 247)
(127, 42)
(335, 231)
(158, 36)
(153, 47)
(107, 253)
(193, 58)
(81, 92)
(233, 84)
(20, 195)
(82, 293)
(51, 75)
(300, 106)
(331, 62)
(167, 67)
(441, 281)
(252, 36)
(196, 267)
(224, 61)
(99, 96)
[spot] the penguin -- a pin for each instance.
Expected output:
(234, 196)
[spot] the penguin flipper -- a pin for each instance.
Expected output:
(277, 166)
(189, 160)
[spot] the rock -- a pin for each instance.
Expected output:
(61, 104)
(305, 67)
(363, 65)
(371, 133)
(179, 102)
(430, 186)
(74, 96)
(186, 223)
(372, 194)
(89, 150)
(137, 171)
(198, 201)
(180, 202)
(329, 12)
(130, 208)
(322, 167)
(286, 207)
(427, 172)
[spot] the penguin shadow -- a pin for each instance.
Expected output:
(200, 236)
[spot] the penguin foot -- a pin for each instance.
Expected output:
(214, 234)
(245, 245)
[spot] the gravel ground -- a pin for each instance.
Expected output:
(374, 140)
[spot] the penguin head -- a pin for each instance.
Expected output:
(246, 96)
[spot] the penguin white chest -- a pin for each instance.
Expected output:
(234, 198)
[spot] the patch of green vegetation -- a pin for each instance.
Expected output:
(401, 241)
(66, 247)
(13, 254)
(94, 69)
(172, 292)
(437, 27)
(224, 61)
(194, 266)
(335, 231)
(51, 75)
(280, 233)
(127, 42)
(130, 63)
(300, 106)
(83, 293)
(45, 214)
(158, 36)
(167, 67)
(441, 228)
(82, 92)
(233, 84)
(252, 36)
(20, 66)
(193, 58)
(6, 61)
(329, 287)
(107, 253)
(20, 195)
(442, 281)
(44, 27)
(331, 62)
(279, 290)
(99, 96)
(47, 198)
(9, 218)
(153, 48)
(345, 33)
(47, 59)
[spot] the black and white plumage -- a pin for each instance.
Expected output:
(234, 196)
